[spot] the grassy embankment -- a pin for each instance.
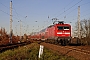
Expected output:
(30, 52)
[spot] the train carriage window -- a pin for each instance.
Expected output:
(60, 27)
(66, 28)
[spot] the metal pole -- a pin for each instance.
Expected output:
(20, 30)
(10, 22)
(79, 33)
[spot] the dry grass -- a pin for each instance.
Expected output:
(30, 52)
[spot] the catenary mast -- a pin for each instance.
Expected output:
(79, 33)
(10, 22)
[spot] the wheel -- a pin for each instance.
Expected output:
(63, 42)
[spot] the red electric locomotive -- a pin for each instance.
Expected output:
(59, 33)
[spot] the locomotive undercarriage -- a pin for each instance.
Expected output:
(63, 41)
(59, 40)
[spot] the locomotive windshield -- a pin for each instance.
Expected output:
(60, 27)
(63, 27)
(66, 28)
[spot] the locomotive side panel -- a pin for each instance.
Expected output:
(51, 32)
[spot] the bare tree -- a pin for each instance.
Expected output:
(85, 30)
(75, 30)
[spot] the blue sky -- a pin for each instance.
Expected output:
(30, 11)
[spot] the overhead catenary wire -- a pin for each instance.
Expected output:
(4, 12)
(14, 10)
(4, 5)
(79, 5)
(9, 14)
(76, 8)
(50, 17)
(81, 15)
(85, 3)
(18, 15)
(12, 15)
(69, 8)
(64, 7)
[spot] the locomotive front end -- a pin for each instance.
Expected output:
(63, 33)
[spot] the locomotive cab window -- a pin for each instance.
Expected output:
(66, 28)
(59, 27)
(63, 28)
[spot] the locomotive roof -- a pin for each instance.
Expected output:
(63, 24)
(50, 26)
(43, 30)
(59, 24)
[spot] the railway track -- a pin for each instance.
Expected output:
(78, 50)
(75, 51)
(12, 46)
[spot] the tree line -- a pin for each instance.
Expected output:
(84, 31)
